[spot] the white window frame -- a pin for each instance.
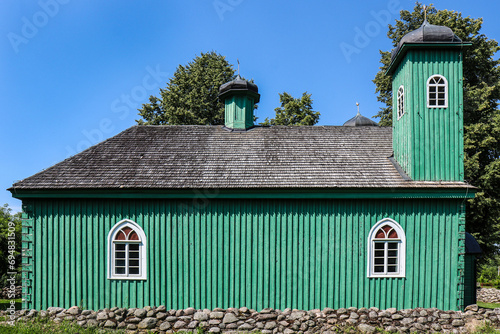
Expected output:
(142, 251)
(401, 240)
(400, 100)
(429, 84)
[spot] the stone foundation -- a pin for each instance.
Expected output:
(488, 295)
(160, 320)
(6, 293)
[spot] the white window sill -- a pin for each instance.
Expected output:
(386, 276)
(128, 278)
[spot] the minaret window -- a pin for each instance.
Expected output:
(401, 101)
(437, 92)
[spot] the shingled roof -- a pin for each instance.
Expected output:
(187, 157)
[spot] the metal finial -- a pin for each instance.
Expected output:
(357, 103)
(238, 66)
(425, 13)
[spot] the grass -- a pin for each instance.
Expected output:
(5, 303)
(488, 305)
(484, 328)
(38, 325)
(45, 325)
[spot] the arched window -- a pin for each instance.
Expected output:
(437, 92)
(126, 251)
(401, 101)
(386, 250)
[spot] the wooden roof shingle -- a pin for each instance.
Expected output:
(190, 157)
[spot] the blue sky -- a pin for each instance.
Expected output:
(75, 72)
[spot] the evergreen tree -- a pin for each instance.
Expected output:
(294, 111)
(481, 113)
(191, 94)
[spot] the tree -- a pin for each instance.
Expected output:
(10, 244)
(294, 111)
(481, 114)
(191, 94)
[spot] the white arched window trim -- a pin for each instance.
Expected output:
(401, 249)
(401, 101)
(429, 85)
(142, 251)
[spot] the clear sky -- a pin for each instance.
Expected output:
(73, 73)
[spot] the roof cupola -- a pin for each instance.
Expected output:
(239, 96)
(360, 120)
(426, 36)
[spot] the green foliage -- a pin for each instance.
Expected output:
(191, 98)
(191, 94)
(485, 327)
(10, 244)
(481, 115)
(5, 303)
(482, 169)
(488, 274)
(488, 271)
(294, 111)
(384, 90)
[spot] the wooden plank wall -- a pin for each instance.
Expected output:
(428, 142)
(260, 253)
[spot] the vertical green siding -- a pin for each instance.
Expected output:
(302, 254)
(239, 111)
(428, 142)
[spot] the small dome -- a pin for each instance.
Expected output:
(360, 120)
(428, 33)
(239, 84)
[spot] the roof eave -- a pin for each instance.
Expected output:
(240, 91)
(408, 46)
(444, 192)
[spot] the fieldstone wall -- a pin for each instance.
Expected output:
(160, 320)
(488, 295)
(6, 292)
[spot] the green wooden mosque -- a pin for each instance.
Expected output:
(242, 215)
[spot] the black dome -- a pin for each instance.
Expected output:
(239, 84)
(427, 33)
(360, 120)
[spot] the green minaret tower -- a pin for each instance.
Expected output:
(427, 88)
(239, 98)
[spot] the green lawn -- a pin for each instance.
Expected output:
(38, 325)
(488, 305)
(44, 326)
(5, 303)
